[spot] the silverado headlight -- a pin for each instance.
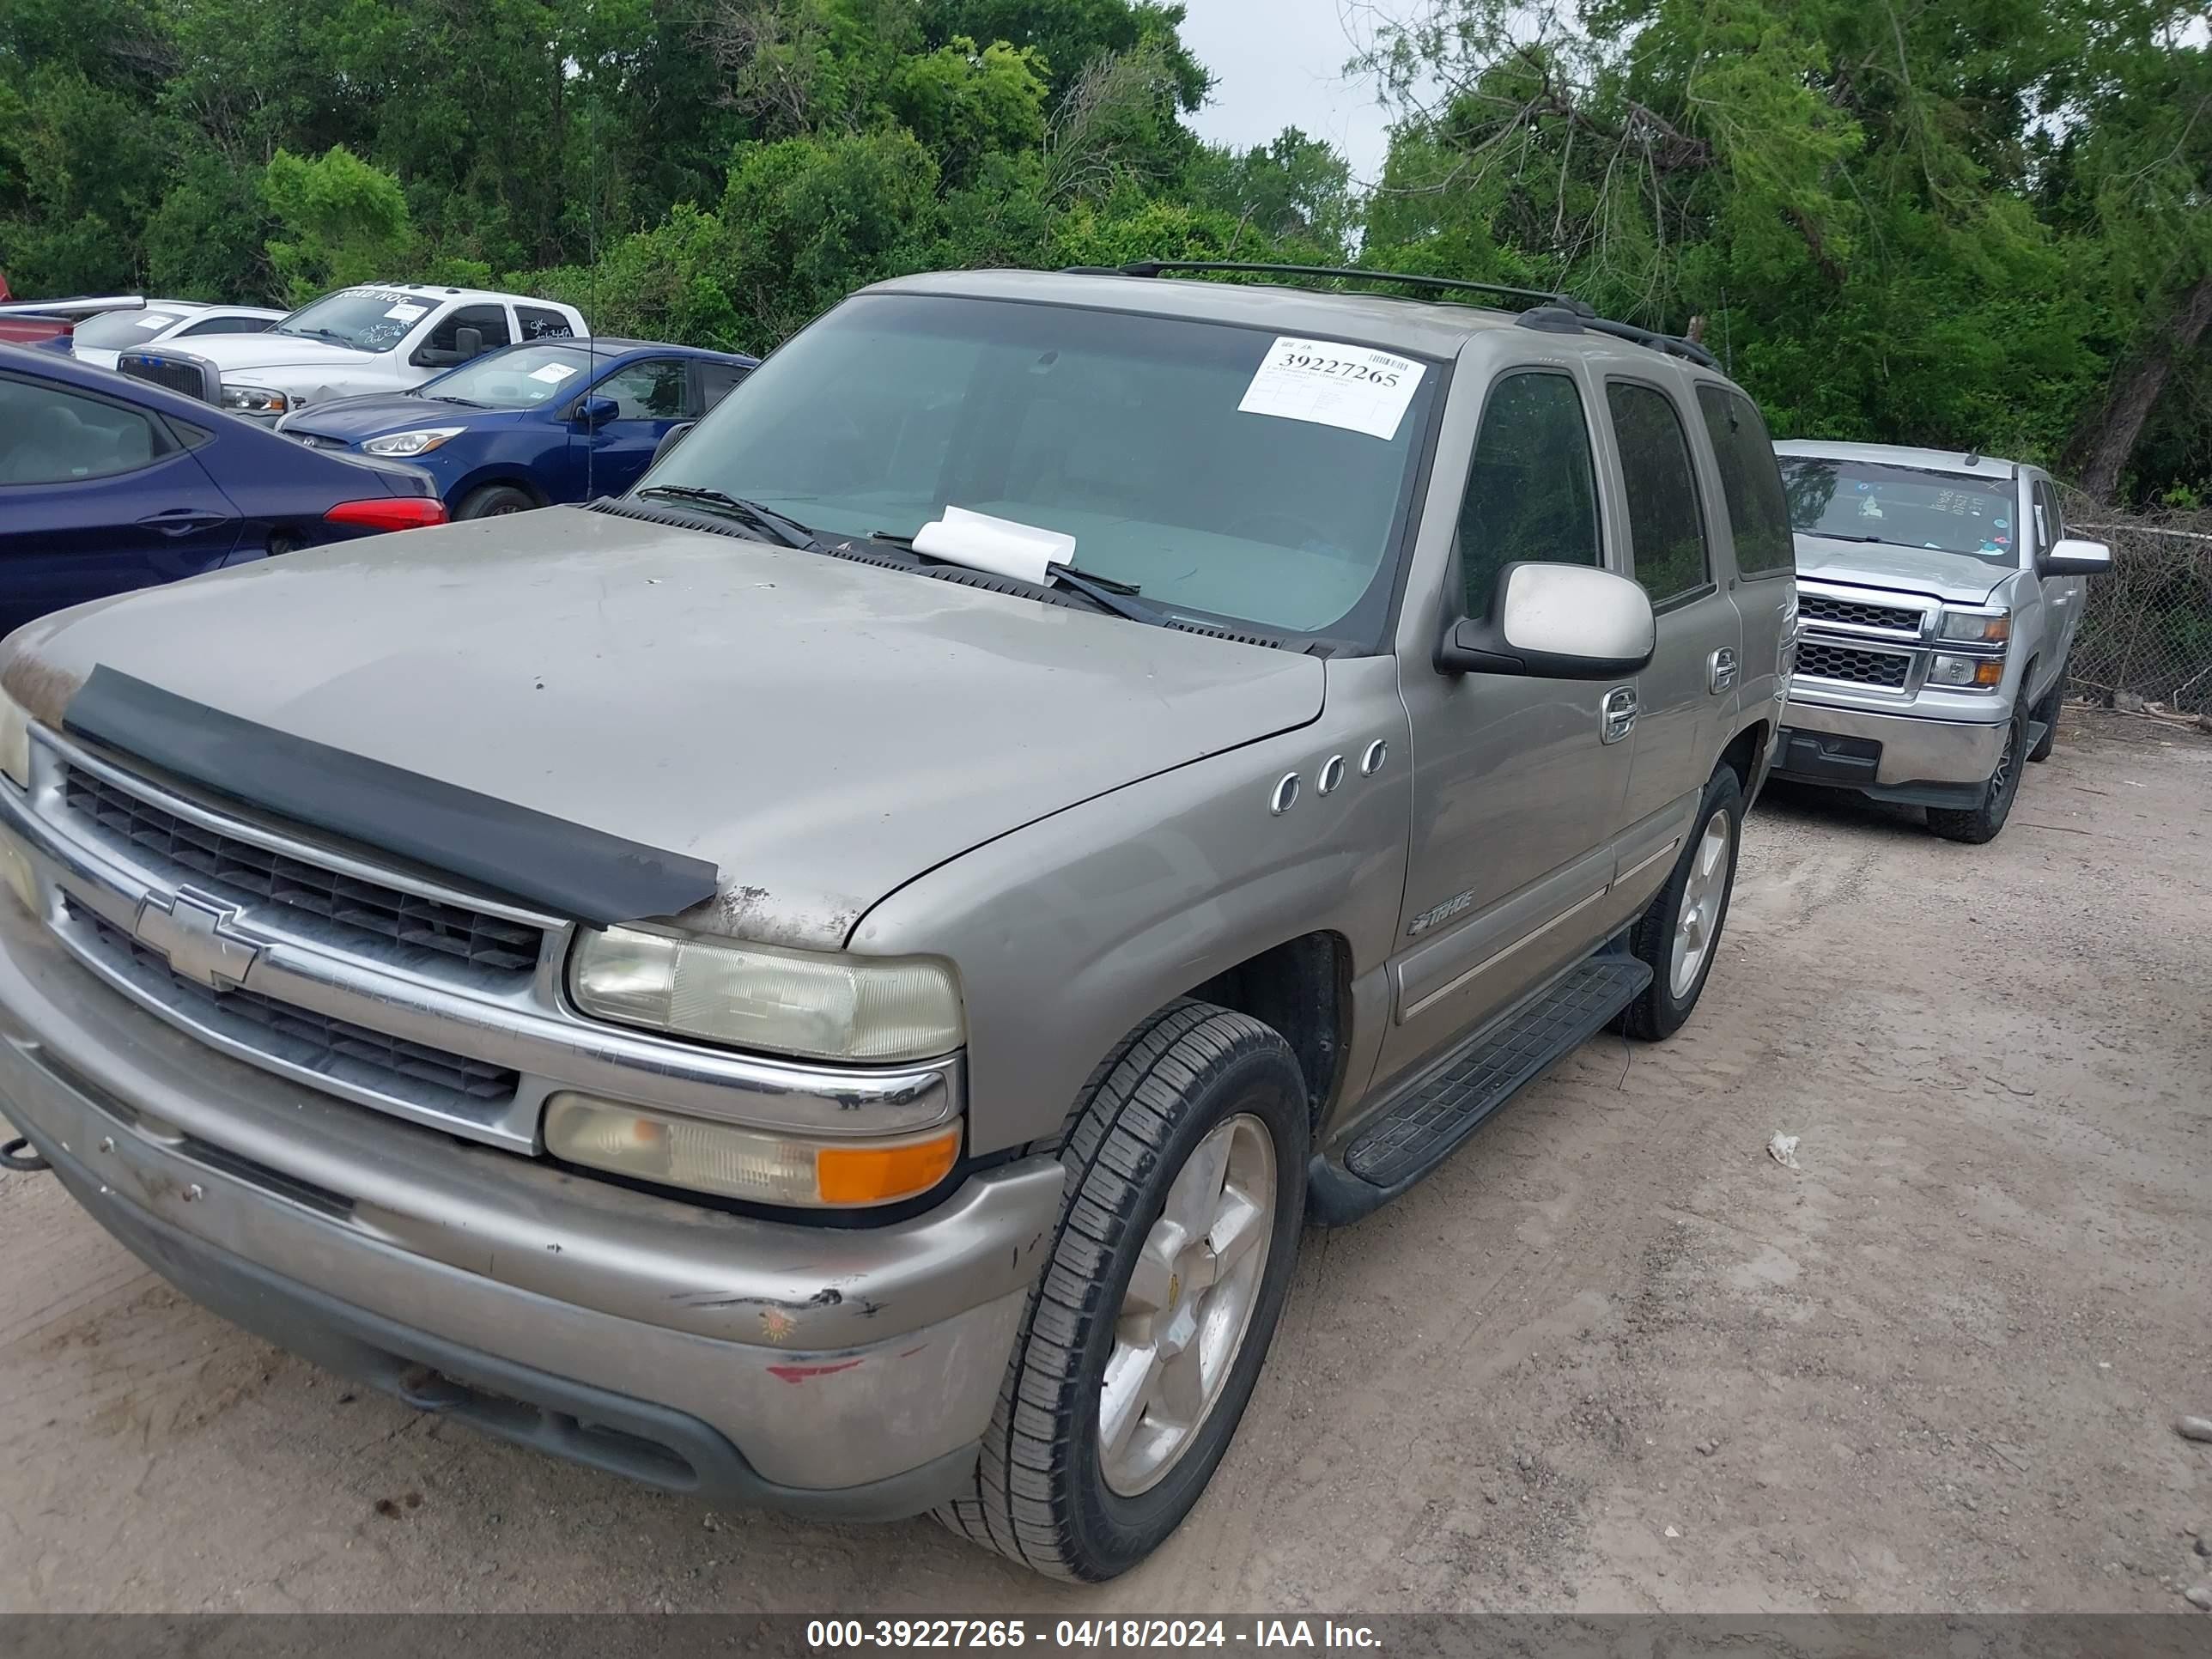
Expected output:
(823, 1005)
(1981, 627)
(14, 742)
(257, 400)
(1966, 674)
(747, 1164)
(420, 441)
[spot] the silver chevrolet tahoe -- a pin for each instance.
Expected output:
(835, 981)
(1938, 595)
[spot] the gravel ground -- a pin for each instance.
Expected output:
(1612, 1358)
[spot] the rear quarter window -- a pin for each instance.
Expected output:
(1751, 481)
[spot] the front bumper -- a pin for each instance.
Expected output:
(837, 1372)
(1891, 757)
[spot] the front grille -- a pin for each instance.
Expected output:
(1818, 659)
(246, 871)
(184, 378)
(1819, 607)
(333, 1048)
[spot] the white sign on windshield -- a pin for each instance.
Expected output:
(552, 374)
(156, 320)
(1355, 387)
(406, 311)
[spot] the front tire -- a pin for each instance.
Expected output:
(493, 500)
(1976, 825)
(1186, 1189)
(1679, 934)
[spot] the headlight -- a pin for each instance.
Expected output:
(259, 400)
(1966, 674)
(746, 1163)
(420, 441)
(760, 996)
(1982, 627)
(14, 742)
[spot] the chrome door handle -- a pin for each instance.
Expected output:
(1617, 713)
(1720, 670)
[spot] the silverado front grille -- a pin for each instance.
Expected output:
(1822, 607)
(181, 850)
(1822, 661)
(333, 1048)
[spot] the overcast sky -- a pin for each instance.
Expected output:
(1280, 64)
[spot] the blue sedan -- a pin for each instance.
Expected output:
(550, 421)
(108, 484)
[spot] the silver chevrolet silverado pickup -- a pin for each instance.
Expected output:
(835, 980)
(1938, 595)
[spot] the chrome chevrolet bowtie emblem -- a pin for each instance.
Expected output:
(200, 939)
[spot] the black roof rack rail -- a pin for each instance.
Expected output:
(1452, 284)
(1559, 313)
(1671, 343)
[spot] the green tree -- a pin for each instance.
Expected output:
(339, 221)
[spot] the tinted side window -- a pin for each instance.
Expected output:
(650, 391)
(716, 382)
(1532, 490)
(48, 435)
(539, 324)
(1751, 481)
(2049, 527)
(228, 325)
(489, 320)
(1665, 527)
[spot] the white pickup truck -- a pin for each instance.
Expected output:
(383, 336)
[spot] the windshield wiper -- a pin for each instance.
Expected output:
(767, 520)
(1104, 592)
(448, 398)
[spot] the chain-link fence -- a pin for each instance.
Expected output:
(2145, 630)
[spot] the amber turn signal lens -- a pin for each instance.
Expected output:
(876, 1175)
(1988, 673)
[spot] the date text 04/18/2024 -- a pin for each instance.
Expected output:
(832, 1634)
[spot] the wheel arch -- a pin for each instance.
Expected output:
(1301, 989)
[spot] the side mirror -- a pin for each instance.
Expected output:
(1559, 621)
(468, 343)
(670, 438)
(2068, 557)
(596, 411)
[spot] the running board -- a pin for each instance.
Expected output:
(1407, 1139)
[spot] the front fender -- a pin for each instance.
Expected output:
(1069, 930)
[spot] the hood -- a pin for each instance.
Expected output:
(99, 357)
(353, 419)
(1958, 577)
(822, 731)
(244, 354)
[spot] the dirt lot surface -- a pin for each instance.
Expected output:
(1614, 1358)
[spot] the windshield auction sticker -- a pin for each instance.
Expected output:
(1356, 387)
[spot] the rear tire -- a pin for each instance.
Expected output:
(493, 500)
(1080, 1484)
(1679, 934)
(1979, 824)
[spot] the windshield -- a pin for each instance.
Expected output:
(118, 330)
(1195, 461)
(521, 377)
(366, 318)
(1905, 505)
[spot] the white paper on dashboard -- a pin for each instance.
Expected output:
(1005, 547)
(552, 374)
(155, 319)
(1355, 387)
(406, 311)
